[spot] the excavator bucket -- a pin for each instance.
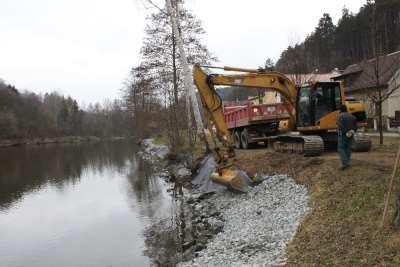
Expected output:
(236, 180)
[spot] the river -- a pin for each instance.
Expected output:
(81, 205)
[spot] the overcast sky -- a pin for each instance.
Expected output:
(85, 48)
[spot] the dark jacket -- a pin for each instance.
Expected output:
(346, 122)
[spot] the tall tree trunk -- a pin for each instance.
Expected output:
(175, 123)
(170, 132)
(175, 79)
(191, 131)
(380, 119)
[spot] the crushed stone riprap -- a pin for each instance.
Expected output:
(257, 225)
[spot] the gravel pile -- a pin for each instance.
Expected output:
(257, 225)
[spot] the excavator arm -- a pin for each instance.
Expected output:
(227, 172)
(252, 79)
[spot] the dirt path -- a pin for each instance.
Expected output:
(347, 206)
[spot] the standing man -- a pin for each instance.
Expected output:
(347, 127)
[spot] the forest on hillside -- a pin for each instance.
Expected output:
(24, 114)
(371, 32)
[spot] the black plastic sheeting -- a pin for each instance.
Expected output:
(202, 182)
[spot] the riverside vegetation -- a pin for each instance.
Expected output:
(26, 117)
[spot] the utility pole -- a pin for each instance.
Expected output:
(187, 76)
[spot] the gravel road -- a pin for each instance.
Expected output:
(257, 225)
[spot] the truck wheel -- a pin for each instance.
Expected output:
(236, 140)
(244, 137)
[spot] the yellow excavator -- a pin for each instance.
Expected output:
(313, 109)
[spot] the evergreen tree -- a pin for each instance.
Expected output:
(350, 41)
(324, 39)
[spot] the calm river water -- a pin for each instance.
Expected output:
(80, 205)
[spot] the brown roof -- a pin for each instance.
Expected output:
(362, 75)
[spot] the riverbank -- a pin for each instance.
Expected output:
(254, 228)
(226, 228)
(337, 225)
(346, 206)
(167, 239)
(56, 140)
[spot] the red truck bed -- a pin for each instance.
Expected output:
(250, 114)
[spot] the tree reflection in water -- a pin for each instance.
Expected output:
(165, 238)
(170, 228)
(165, 219)
(29, 168)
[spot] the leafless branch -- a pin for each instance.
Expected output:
(154, 5)
(373, 97)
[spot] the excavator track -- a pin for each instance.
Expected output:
(361, 143)
(307, 145)
(313, 145)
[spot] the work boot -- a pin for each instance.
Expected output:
(344, 167)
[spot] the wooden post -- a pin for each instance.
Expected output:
(390, 188)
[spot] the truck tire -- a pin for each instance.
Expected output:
(236, 140)
(244, 137)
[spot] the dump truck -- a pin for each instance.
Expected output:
(251, 123)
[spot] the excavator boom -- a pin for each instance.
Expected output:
(253, 79)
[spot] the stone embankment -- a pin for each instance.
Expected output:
(250, 229)
(230, 229)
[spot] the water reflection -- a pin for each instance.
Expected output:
(146, 188)
(28, 168)
(165, 240)
(80, 205)
(164, 237)
(171, 225)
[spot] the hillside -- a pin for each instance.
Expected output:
(374, 30)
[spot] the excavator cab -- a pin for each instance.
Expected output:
(318, 107)
(317, 101)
